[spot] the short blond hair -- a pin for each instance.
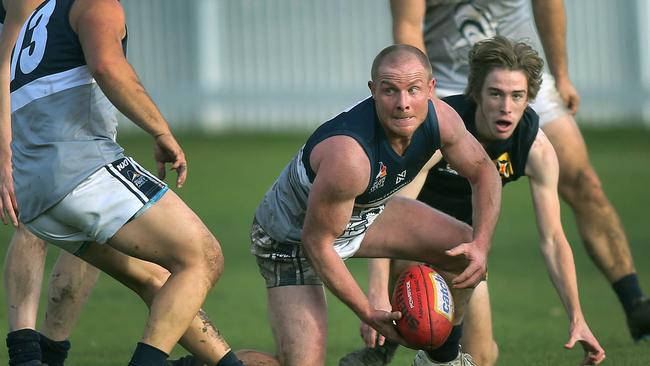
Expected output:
(395, 53)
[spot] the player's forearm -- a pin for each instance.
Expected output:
(5, 125)
(486, 203)
(336, 276)
(122, 87)
(550, 19)
(407, 22)
(5, 122)
(561, 269)
(409, 34)
(378, 279)
(7, 39)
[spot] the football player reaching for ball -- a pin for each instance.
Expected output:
(504, 77)
(336, 200)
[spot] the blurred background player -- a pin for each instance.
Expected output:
(504, 78)
(336, 199)
(448, 29)
(71, 280)
(68, 63)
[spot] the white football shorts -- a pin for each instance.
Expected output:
(99, 206)
(548, 104)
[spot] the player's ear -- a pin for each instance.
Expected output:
(432, 86)
(371, 87)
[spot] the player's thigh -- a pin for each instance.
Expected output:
(397, 266)
(25, 249)
(477, 324)
(23, 237)
(569, 146)
(298, 317)
(477, 339)
(169, 233)
(409, 229)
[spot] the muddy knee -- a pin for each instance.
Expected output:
(209, 259)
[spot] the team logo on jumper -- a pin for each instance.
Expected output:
(400, 177)
(380, 178)
(504, 165)
(447, 169)
(474, 23)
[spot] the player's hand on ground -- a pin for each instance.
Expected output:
(569, 95)
(384, 323)
(167, 150)
(476, 270)
(594, 353)
(8, 204)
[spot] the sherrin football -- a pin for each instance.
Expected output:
(424, 299)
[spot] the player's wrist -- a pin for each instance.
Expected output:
(576, 318)
(157, 135)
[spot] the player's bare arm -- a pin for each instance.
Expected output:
(8, 205)
(469, 159)
(378, 278)
(543, 170)
(342, 173)
(16, 14)
(101, 29)
(379, 268)
(550, 19)
(408, 16)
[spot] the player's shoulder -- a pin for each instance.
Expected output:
(341, 164)
(541, 155)
(341, 153)
(450, 123)
(89, 11)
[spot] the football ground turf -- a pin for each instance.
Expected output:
(229, 174)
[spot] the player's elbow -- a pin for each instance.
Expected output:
(554, 245)
(104, 70)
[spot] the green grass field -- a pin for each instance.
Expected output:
(229, 174)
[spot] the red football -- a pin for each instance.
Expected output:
(424, 299)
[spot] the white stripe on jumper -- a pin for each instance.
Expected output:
(50, 84)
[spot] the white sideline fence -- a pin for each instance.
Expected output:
(216, 65)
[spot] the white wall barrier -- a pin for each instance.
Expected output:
(291, 64)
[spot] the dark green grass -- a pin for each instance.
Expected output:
(229, 174)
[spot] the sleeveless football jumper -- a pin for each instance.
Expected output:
(447, 191)
(63, 126)
(281, 213)
(460, 24)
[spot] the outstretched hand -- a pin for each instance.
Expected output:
(594, 353)
(167, 150)
(476, 270)
(8, 204)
